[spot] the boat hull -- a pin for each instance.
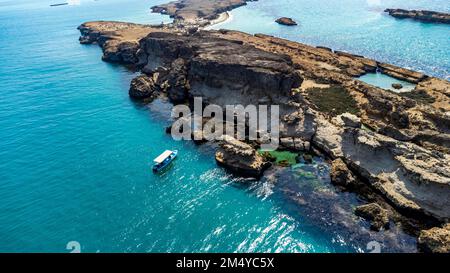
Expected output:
(162, 166)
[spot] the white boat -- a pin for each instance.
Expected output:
(164, 160)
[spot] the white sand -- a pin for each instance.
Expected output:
(223, 17)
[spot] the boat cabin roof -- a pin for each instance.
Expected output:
(162, 157)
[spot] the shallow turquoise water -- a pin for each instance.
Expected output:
(384, 81)
(357, 26)
(75, 158)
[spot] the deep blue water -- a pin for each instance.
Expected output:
(75, 158)
(358, 26)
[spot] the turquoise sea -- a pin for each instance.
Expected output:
(76, 152)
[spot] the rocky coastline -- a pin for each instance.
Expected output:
(420, 15)
(397, 145)
(197, 12)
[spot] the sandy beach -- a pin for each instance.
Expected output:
(223, 17)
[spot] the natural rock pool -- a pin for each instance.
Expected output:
(387, 82)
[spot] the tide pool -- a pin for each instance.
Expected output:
(384, 81)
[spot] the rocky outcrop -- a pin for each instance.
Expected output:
(435, 240)
(197, 12)
(286, 21)
(348, 120)
(340, 174)
(435, 92)
(142, 87)
(377, 216)
(401, 73)
(295, 144)
(118, 40)
(214, 66)
(420, 15)
(240, 158)
(177, 82)
(415, 180)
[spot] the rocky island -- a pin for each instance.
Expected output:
(420, 15)
(198, 12)
(286, 21)
(396, 144)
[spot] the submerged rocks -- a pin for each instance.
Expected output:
(420, 15)
(397, 86)
(286, 21)
(375, 214)
(435, 240)
(240, 158)
(142, 87)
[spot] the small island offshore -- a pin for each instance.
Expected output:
(392, 148)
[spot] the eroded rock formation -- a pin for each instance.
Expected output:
(142, 87)
(377, 216)
(341, 175)
(214, 65)
(240, 158)
(420, 15)
(435, 240)
(118, 40)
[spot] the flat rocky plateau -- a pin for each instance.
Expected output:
(396, 143)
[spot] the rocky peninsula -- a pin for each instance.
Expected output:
(396, 144)
(197, 12)
(420, 15)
